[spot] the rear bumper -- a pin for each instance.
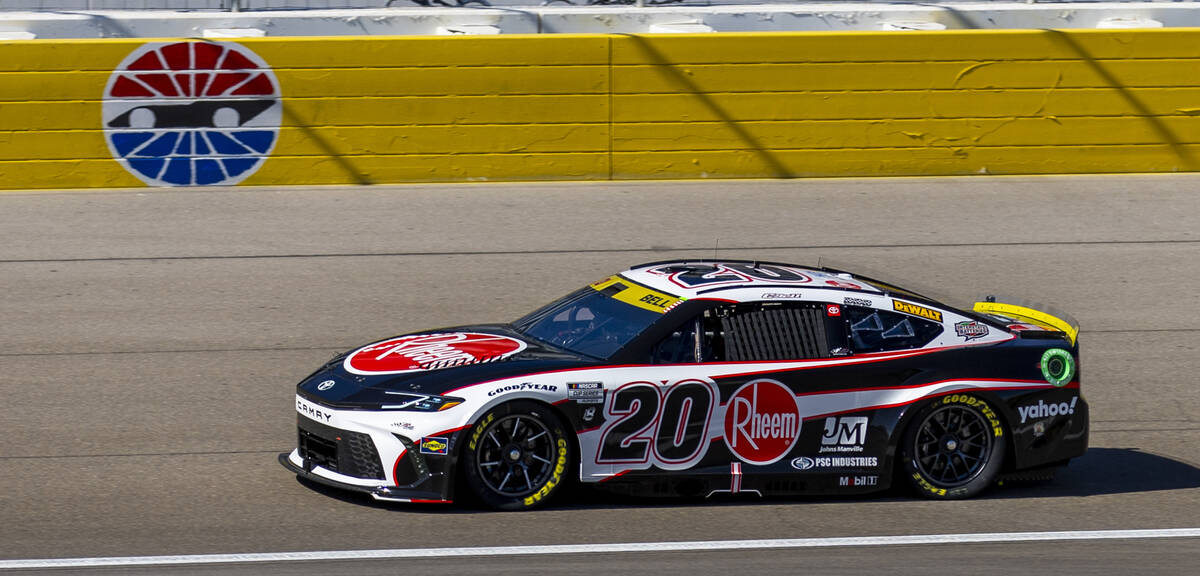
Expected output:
(1049, 427)
(309, 471)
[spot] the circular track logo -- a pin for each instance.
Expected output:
(762, 422)
(192, 113)
(430, 352)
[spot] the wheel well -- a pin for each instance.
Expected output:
(906, 420)
(457, 479)
(1010, 448)
(570, 429)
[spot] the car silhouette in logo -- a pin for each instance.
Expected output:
(200, 114)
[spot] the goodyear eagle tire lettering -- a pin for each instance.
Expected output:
(479, 428)
(953, 447)
(517, 457)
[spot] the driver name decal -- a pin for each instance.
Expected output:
(191, 113)
(430, 352)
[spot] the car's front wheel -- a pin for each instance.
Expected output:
(954, 447)
(517, 456)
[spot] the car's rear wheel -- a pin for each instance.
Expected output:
(517, 456)
(954, 447)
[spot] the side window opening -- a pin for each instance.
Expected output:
(902, 329)
(775, 333)
(749, 332)
(681, 346)
(874, 330)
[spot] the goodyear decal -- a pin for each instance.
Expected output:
(191, 113)
(915, 310)
(630, 293)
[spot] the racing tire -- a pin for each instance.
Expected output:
(954, 447)
(517, 456)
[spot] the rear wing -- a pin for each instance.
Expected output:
(1028, 314)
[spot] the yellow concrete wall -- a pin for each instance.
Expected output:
(963, 102)
(401, 109)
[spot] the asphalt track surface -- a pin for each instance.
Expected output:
(150, 341)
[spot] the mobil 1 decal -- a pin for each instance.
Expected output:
(192, 113)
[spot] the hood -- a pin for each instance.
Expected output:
(433, 362)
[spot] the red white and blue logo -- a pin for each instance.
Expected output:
(192, 113)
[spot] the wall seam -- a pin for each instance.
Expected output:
(611, 126)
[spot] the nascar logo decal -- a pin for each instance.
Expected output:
(430, 352)
(191, 113)
(762, 422)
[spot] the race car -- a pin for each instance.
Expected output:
(697, 378)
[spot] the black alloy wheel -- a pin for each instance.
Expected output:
(517, 456)
(954, 447)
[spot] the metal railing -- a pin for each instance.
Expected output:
(252, 5)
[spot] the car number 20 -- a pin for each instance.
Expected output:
(664, 424)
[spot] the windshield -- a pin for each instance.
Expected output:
(593, 321)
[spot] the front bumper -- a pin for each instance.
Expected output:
(307, 470)
(397, 456)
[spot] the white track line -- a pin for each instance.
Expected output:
(129, 561)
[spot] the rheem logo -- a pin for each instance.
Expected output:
(762, 422)
(430, 352)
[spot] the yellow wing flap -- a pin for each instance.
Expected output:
(1030, 316)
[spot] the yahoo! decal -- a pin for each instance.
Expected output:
(192, 113)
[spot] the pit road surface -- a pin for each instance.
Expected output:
(150, 341)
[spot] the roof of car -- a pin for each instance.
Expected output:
(696, 278)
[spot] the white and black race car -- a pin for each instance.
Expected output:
(699, 378)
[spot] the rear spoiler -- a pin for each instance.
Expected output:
(1060, 322)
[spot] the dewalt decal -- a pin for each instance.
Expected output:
(915, 310)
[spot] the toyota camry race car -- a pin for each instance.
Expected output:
(700, 378)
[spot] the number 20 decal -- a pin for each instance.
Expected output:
(657, 424)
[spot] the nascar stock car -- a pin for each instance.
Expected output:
(698, 378)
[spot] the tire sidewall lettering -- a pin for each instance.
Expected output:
(560, 466)
(479, 428)
(925, 485)
(982, 406)
(986, 474)
(557, 476)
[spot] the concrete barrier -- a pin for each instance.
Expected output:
(403, 109)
